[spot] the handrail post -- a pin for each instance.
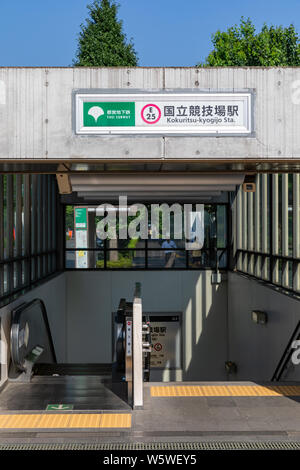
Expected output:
(137, 349)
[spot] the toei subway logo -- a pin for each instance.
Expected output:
(151, 114)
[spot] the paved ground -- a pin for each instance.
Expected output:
(163, 419)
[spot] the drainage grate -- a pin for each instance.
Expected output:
(162, 446)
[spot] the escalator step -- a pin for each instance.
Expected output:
(72, 369)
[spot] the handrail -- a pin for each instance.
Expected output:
(14, 332)
(137, 359)
(286, 356)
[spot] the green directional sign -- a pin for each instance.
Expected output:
(81, 218)
(108, 114)
(59, 407)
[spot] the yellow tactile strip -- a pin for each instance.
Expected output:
(225, 391)
(62, 421)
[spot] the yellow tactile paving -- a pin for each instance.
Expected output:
(70, 421)
(22, 421)
(3, 420)
(85, 421)
(54, 421)
(115, 421)
(225, 391)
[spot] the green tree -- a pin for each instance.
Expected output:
(101, 41)
(70, 217)
(241, 46)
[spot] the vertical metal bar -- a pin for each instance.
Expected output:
(43, 220)
(296, 231)
(2, 234)
(46, 222)
(10, 231)
(137, 349)
(18, 229)
(285, 228)
(63, 240)
(264, 223)
(275, 221)
(92, 239)
(285, 219)
(27, 228)
(250, 244)
(233, 225)
(60, 238)
(49, 215)
(34, 226)
(257, 226)
(40, 228)
(146, 256)
(244, 231)
(230, 236)
(216, 239)
(105, 253)
(53, 222)
(238, 222)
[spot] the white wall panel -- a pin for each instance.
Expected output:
(36, 119)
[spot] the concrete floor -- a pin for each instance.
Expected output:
(178, 419)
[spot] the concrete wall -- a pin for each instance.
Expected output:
(53, 294)
(80, 306)
(216, 322)
(36, 113)
(93, 296)
(257, 349)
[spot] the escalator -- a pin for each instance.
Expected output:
(32, 347)
(36, 380)
(99, 370)
(30, 340)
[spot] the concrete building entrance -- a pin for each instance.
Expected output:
(223, 143)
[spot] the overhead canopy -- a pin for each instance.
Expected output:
(144, 186)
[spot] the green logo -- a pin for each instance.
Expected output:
(105, 114)
(59, 407)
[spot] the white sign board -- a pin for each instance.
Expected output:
(165, 341)
(163, 113)
(81, 236)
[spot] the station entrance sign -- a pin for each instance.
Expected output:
(164, 113)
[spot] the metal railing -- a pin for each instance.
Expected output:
(286, 356)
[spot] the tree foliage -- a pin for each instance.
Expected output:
(241, 46)
(101, 41)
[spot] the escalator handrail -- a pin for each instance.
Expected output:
(285, 356)
(14, 332)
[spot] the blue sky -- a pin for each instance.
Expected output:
(165, 32)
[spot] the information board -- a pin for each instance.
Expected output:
(81, 234)
(165, 340)
(209, 113)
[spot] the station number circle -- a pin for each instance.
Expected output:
(151, 114)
